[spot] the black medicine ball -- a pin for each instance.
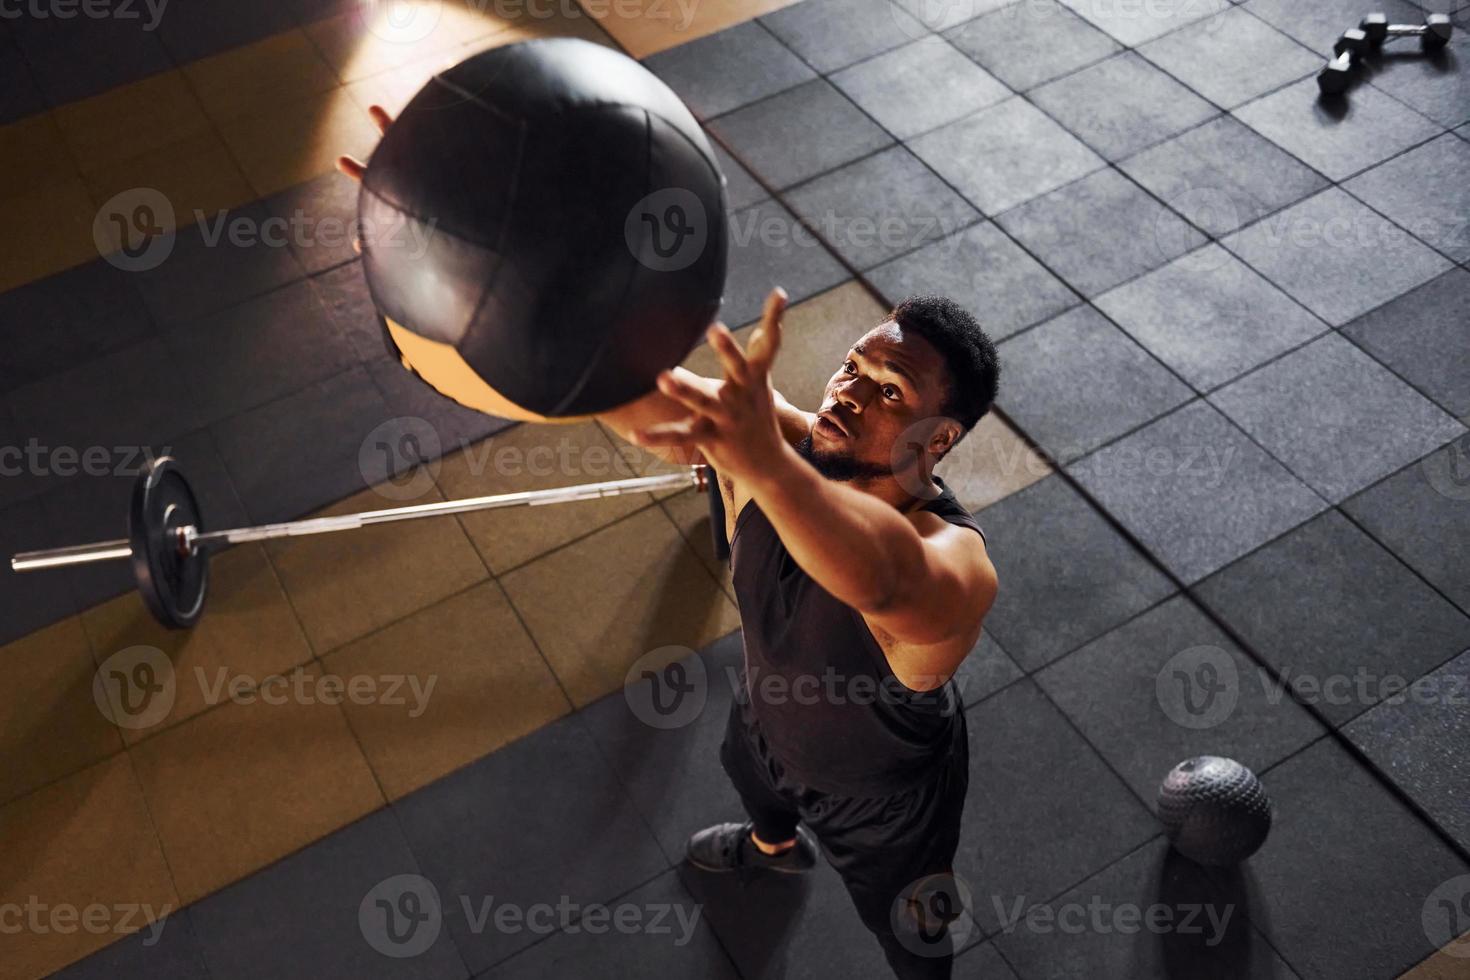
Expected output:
(545, 221)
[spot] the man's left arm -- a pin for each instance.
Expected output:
(922, 580)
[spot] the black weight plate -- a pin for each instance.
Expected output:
(172, 584)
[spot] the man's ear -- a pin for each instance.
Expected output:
(945, 435)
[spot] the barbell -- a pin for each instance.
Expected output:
(169, 547)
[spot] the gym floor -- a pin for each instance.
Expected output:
(1233, 415)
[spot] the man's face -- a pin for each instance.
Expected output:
(888, 382)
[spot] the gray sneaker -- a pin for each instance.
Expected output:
(728, 847)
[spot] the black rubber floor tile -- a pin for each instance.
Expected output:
(1081, 353)
(216, 263)
(787, 925)
(1026, 44)
(1336, 417)
(1151, 916)
(1417, 336)
(1222, 175)
(1044, 812)
(662, 932)
(831, 34)
(1209, 316)
(19, 96)
(1232, 58)
(664, 743)
(1005, 155)
(1065, 575)
(1438, 86)
(920, 86)
(982, 962)
(985, 272)
(1133, 25)
(1419, 515)
(355, 903)
(987, 669)
(729, 69)
(880, 207)
(131, 397)
(320, 220)
(80, 56)
(1426, 191)
(1341, 620)
(1320, 23)
(1328, 136)
(307, 450)
(1171, 685)
(1342, 885)
(1335, 256)
(551, 823)
(196, 29)
(774, 137)
(741, 189)
(344, 293)
(166, 951)
(26, 467)
(259, 350)
(1100, 231)
(31, 600)
(768, 248)
(1195, 491)
(69, 318)
(1121, 105)
(1421, 739)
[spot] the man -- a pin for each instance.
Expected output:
(862, 584)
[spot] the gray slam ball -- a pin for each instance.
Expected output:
(1214, 810)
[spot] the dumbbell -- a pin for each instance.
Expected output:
(1433, 34)
(1337, 74)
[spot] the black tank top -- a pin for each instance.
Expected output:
(817, 684)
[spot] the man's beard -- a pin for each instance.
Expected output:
(838, 466)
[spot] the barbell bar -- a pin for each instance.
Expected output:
(169, 546)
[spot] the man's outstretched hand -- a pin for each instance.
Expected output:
(735, 428)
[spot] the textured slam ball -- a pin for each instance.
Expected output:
(543, 231)
(1214, 810)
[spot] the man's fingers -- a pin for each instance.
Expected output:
(767, 339)
(351, 166)
(684, 435)
(732, 358)
(380, 117)
(689, 396)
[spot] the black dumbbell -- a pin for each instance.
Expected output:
(1433, 34)
(1337, 74)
